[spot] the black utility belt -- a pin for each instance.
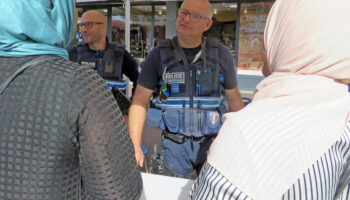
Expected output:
(180, 138)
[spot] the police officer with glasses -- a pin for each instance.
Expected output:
(108, 59)
(195, 84)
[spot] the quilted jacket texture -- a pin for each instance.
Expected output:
(62, 136)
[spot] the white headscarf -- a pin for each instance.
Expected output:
(300, 110)
(307, 37)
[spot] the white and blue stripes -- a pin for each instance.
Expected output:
(211, 185)
(120, 84)
(179, 102)
(328, 178)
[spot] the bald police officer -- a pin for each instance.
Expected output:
(110, 60)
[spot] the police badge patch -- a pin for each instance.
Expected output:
(90, 64)
(213, 117)
(175, 77)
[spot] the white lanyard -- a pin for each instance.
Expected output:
(197, 56)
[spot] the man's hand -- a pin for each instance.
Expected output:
(139, 156)
(125, 118)
(234, 100)
(137, 118)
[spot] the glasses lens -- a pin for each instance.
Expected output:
(195, 17)
(88, 24)
(183, 13)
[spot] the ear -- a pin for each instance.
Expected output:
(208, 25)
(105, 27)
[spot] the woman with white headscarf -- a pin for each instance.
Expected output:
(62, 135)
(293, 140)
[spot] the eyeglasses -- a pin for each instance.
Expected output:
(193, 16)
(88, 25)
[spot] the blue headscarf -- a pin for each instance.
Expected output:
(36, 27)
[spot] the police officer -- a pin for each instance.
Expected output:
(110, 60)
(195, 83)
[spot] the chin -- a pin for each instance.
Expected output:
(86, 40)
(184, 31)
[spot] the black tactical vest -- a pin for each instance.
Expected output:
(194, 92)
(109, 66)
(198, 79)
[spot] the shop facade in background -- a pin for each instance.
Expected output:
(251, 31)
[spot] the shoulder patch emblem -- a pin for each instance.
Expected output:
(213, 117)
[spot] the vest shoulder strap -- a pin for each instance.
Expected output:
(210, 45)
(170, 44)
(166, 43)
(212, 42)
(81, 47)
(210, 51)
(168, 53)
(118, 49)
(117, 45)
(81, 44)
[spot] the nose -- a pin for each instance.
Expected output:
(83, 29)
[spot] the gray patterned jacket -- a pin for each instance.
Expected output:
(62, 136)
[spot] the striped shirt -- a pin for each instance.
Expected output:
(328, 178)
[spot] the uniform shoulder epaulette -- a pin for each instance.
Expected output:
(81, 44)
(120, 45)
(166, 43)
(116, 46)
(212, 42)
